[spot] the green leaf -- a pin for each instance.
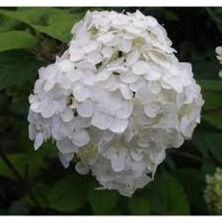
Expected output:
(206, 68)
(68, 194)
(139, 205)
(208, 168)
(215, 14)
(17, 68)
(211, 85)
(31, 15)
(214, 118)
(102, 202)
(212, 94)
(56, 23)
(41, 191)
(197, 141)
(207, 140)
(193, 183)
(22, 163)
(19, 207)
(16, 40)
(213, 101)
(170, 15)
(59, 27)
(167, 196)
(7, 24)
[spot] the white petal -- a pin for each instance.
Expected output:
(152, 109)
(80, 93)
(132, 29)
(219, 58)
(66, 66)
(119, 125)
(160, 59)
(128, 77)
(32, 131)
(94, 57)
(177, 140)
(81, 138)
(175, 83)
(125, 91)
(184, 126)
(113, 103)
(219, 50)
(136, 86)
(109, 82)
(155, 87)
(49, 85)
(35, 107)
(74, 75)
(118, 69)
(66, 146)
(118, 162)
(113, 42)
(220, 74)
(114, 87)
(106, 37)
(64, 82)
(140, 67)
(132, 57)
(92, 46)
(153, 73)
(64, 161)
(136, 156)
(48, 109)
(76, 54)
(67, 115)
(126, 111)
(89, 78)
(125, 45)
(86, 66)
(101, 120)
(107, 52)
(38, 140)
(65, 158)
(85, 109)
(81, 168)
(103, 75)
(151, 21)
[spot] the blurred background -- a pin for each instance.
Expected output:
(35, 183)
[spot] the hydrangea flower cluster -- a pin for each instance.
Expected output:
(213, 192)
(116, 99)
(219, 57)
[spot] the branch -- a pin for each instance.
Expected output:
(188, 155)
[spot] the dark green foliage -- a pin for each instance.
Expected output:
(36, 183)
(139, 205)
(166, 196)
(102, 202)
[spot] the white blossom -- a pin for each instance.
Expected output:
(116, 100)
(219, 57)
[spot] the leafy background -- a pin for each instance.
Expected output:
(36, 183)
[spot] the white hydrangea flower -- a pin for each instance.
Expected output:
(219, 57)
(116, 99)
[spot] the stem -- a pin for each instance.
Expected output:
(188, 155)
(10, 166)
(18, 177)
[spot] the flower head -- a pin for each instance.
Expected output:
(117, 99)
(219, 57)
(213, 192)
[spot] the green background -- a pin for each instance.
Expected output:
(36, 183)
